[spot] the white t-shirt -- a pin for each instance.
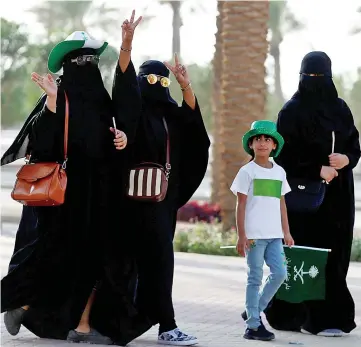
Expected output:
(264, 188)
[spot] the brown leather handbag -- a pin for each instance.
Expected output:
(43, 184)
(149, 181)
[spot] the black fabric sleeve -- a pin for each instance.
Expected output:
(194, 152)
(188, 115)
(353, 144)
(127, 100)
(297, 158)
(47, 136)
(21, 147)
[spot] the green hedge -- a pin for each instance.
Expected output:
(208, 238)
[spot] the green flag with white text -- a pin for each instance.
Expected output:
(305, 274)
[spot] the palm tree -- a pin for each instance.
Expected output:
(216, 99)
(177, 22)
(243, 88)
(281, 20)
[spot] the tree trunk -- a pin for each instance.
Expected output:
(275, 53)
(243, 88)
(216, 100)
(177, 24)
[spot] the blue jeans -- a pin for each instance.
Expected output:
(270, 251)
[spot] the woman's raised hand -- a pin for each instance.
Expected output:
(46, 83)
(128, 28)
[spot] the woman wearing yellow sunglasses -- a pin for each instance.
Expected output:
(151, 119)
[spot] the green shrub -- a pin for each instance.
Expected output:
(206, 238)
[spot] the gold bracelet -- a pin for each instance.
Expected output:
(125, 49)
(186, 87)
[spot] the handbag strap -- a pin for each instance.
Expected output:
(167, 164)
(66, 129)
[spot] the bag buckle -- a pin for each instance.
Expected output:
(167, 170)
(64, 164)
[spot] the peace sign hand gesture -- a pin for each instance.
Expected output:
(128, 28)
(179, 71)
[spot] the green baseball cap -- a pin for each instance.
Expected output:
(76, 40)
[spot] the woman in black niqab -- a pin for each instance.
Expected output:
(142, 102)
(65, 252)
(306, 122)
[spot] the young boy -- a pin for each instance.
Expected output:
(262, 222)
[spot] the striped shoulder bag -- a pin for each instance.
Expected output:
(149, 181)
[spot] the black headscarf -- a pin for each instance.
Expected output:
(82, 79)
(89, 105)
(317, 95)
(90, 110)
(316, 88)
(152, 93)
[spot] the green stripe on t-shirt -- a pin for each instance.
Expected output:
(266, 187)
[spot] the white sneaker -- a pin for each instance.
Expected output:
(326, 332)
(331, 333)
(176, 338)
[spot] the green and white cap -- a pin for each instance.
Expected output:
(76, 40)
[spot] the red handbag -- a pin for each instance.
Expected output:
(149, 181)
(43, 184)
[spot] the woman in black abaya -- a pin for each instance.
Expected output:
(144, 100)
(65, 251)
(306, 122)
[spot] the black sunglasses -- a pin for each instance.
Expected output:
(81, 60)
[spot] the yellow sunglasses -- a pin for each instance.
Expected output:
(153, 79)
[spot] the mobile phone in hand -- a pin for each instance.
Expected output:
(115, 127)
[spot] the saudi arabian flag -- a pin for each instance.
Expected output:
(305, 274)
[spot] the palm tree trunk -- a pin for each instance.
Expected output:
(177, 24)
(275, 53)
(216, 100)
(243, 88)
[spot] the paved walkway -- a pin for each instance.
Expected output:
(208, 294)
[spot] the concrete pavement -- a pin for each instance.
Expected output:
(209, 294)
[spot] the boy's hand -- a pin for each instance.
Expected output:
(242, 245)
(289, 240)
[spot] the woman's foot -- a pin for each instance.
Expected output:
(176, 338)
(92, 337)
(13, 320)
(326, 332)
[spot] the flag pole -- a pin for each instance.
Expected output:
(311, 248)
(301, 247)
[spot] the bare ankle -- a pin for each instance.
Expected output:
(26, 307)
(83, 328)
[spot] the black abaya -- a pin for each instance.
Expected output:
(71, 247)
(154, 225)
(306, 126)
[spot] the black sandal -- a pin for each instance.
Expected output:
(13, 320)
(92, 337)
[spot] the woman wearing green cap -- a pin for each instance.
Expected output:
(261, 216)
(67, 271)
